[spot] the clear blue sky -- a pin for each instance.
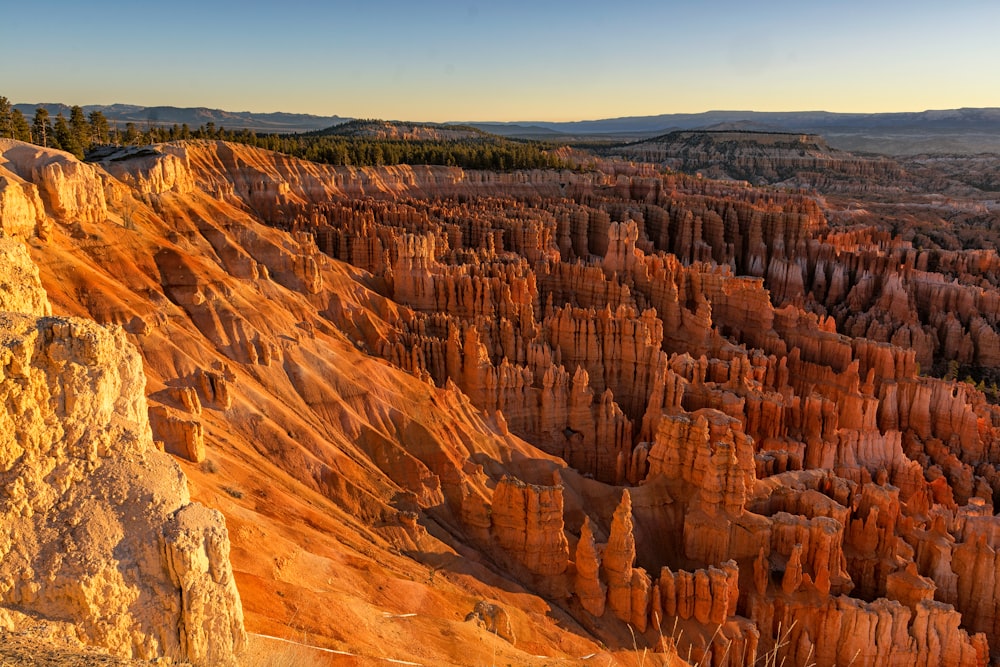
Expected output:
(505, 60)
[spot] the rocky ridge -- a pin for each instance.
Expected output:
(402, 131)
(730, 440)
(797, 159)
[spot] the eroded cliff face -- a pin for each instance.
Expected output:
(669, 404)
(100, 534)
(760, 157)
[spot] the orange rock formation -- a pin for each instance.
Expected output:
(608, 402)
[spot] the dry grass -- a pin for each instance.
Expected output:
(262, 652)
(784, 639)
(35, 648)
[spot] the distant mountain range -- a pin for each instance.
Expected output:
(965, 130)
(196, 116)
(947, 131)
(788, 121)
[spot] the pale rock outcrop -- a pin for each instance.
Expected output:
(151, 169)
(71, 191)
(21, 211)
(99, 528)
(20, 288)
(196, 546)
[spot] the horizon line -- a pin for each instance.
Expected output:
(514, 122)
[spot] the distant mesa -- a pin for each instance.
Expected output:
(401, 130)
(518, 130)
(760, 157)
(743, 126)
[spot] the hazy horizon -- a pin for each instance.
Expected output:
(485, 120)
(519, 61)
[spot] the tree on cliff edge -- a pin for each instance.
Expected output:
(65, 139)
(41, 129)
(19, 125)
(80, 128)
(6, 121)
(99, 131)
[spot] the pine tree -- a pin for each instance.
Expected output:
(80, 128)
(19, 125)
(132, 135)
(6, 122)
(41, 129)
(99, 131)
(64, 137)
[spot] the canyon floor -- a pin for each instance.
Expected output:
(614, 416)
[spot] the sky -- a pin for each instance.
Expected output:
(513, 60)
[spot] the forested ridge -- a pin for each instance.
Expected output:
(353, 143)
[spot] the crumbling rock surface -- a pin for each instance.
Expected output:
(99, 532)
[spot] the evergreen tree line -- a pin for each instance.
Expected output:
(77, 134)
(485, 152)
(80, 133)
